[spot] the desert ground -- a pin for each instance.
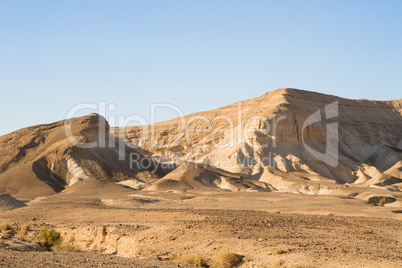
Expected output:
(119, 226)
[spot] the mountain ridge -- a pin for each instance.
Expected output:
(366, 129)
(260, 144)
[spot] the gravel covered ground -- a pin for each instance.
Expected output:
(293, 231)
(12, 258)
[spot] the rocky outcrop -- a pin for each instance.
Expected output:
(45, 159)
(281, 138)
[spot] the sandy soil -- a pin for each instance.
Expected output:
(310, 230)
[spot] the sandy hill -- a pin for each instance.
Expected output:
(40, 160)
(370, 141)
(191, 176)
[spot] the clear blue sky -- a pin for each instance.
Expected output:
(198, 55)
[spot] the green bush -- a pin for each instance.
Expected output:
(382, 202)
(49, 238)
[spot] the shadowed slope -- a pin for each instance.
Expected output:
(40, 160)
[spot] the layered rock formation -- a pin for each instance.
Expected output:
(281, 139)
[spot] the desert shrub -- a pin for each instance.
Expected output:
(331, 214)
(49, 238)
(52, 240)
(277, 211)
(191, 259)
(201, 262)
(399, 199)
(227, 260)
(4, 226)
(382, 202)
(279, 251)
(24, 229)
(364, 231)
(371, 204)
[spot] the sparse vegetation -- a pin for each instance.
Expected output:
(201, 262)
(331, 214)
(227, 260)
(399, 199)
(192, 259)
(24, 229)
(364, 231)
(372, 204)
(382, 202)
(49, 238)
(279, 251)
(33, 219)
(4, 226)
(277, 211)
